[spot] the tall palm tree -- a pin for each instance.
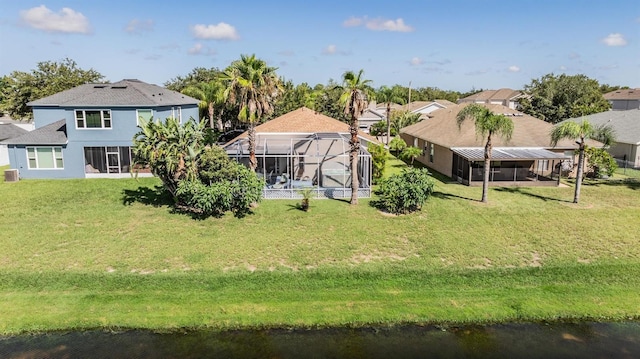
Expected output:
(388, 95)
(211, 96)
(487, 124)
(253, 87)
(581, 131)
(355, 90)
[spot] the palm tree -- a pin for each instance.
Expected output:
(354, 98)
(581, 131)
(211, 96)
(253, 87)
(487, 123)
(411, 153)
(388, 95)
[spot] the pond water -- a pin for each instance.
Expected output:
(557, 340)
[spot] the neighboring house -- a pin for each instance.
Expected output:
(305, 149)
(626, 125)
(369, 117)
(505, 97)
(87, 131)
(626, 99)
(378, 112)
(9, 129)
(458, 152)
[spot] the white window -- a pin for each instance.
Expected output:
(45, 158)
(431, 152)
(543, 165)
(415, 142)
(93, 118)
(176, 112)
(146, 114)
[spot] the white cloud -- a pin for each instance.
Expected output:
(136, 26)
(615, 39)
(330, 50)
(514, 68)
(67, 20)
(416, 61)
(353, 21)
(222, 31)
(199, 49)
(388, 25)
(563, 68)
(378, 24)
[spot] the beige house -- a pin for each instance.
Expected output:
(458, 152)
(625, 99)
(305, 149)
(505, 97)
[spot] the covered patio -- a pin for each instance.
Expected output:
(290, 162)
(509, 166)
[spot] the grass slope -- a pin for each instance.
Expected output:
(110, 253)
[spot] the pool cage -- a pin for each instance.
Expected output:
(291, 162)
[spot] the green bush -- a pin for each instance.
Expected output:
(214, 199)
(378, 159)
(397, 144)
(405, 192)
(599, 162)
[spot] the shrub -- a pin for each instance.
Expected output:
(405, 192)
(378, 159)
(599, 162)
(216, 198)
(397, 144)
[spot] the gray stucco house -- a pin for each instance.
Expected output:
(87, 131)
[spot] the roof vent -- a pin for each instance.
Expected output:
(99, 86)
(119, 87)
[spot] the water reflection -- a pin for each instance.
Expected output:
(558, 340)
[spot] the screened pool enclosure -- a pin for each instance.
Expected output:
(290, 162)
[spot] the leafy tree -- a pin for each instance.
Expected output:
(211, 96)
(294, 97)
(49, 78)
(378, 129)
(487, 124)
(410, 154)
(599, 162)
(581, 132)
(171, 150)
(252, 86)
(397, 144)
(555, 98)
(402, 119)
(197, 76)
(388, 95)
(405, 192)
(355, 91)
(378, 158)
(326, 100)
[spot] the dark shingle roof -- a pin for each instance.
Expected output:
(626, 124)
(125, 93)
(51, 134)
(9, 130)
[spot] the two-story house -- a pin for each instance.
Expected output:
(87, 131)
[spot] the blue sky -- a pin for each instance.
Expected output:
(453, 45)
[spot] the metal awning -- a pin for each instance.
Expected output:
(508, 154)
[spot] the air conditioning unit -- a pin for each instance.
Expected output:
(11, 175)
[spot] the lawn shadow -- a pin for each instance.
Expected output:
(519, 190)
(295, 206)
(630, 183)
(442, 195)
(156, 196)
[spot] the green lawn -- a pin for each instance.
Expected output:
(110, 253)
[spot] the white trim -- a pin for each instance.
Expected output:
(138, 114)
(84, 119)
(53, 152)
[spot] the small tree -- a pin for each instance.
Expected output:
(410, 154)
(379, 159)
(405, 192)
(599, 162)
(397, 145)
